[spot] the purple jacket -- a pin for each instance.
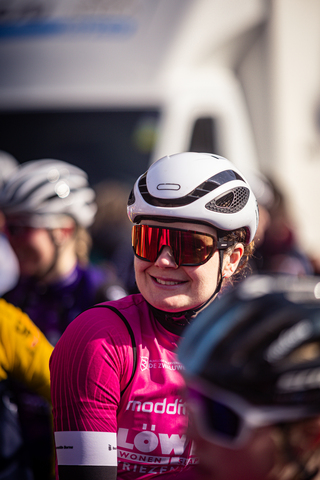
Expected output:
(53, 307)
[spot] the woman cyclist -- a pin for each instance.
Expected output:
(49, 206)
(252, 366)
(116, 380)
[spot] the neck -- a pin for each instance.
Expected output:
(171, 321)
(176, 322)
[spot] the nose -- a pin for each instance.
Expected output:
(165, 258)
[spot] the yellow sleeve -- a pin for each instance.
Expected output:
(24, 350)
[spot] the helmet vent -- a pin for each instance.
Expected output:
(230, 202)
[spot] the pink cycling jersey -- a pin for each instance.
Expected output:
(117, 392)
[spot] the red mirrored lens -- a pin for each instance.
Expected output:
(188, 247)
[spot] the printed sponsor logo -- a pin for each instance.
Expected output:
(172, 408)
(144, 468)
(144, 363)
(139, 458)
(152, 450)
(139, 446)
(153, 364)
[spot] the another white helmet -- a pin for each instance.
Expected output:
(47, 189)
(195, 187)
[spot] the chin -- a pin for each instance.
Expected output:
(172, 307)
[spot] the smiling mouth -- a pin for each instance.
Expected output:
(167, 282)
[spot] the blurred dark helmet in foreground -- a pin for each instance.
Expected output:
(260, 342)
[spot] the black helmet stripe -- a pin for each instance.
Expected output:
(203, 189)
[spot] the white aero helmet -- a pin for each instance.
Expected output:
(46, 190)
(197, 188)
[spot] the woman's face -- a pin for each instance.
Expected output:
(171, 288)
(34, 249)
(255, 460)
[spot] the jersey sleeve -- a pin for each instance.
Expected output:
(24, 350)
(91, 364)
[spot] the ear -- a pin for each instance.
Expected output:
(231, 261)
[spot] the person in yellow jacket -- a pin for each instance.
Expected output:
(24, 356)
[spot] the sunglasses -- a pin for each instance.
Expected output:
(226, 419)
(189, 248)
(18, 230)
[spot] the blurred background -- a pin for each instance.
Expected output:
(112, 85)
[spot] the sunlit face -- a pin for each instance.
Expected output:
(171, 288)
(34, 249)
(255, 460)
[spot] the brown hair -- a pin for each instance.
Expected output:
(83, 243)
(244, 268)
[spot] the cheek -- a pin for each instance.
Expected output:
(206, 275)
(139, 268)
(259, 457)
(137, 264)
(254, 461)
(42, 247)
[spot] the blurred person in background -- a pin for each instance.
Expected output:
(24, 356)
(264, 194)
(49, 206)
(110, 231)
(9, 266)
(252, 364)
(115, 377)
(277, 249)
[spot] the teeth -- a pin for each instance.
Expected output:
(163, 282)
